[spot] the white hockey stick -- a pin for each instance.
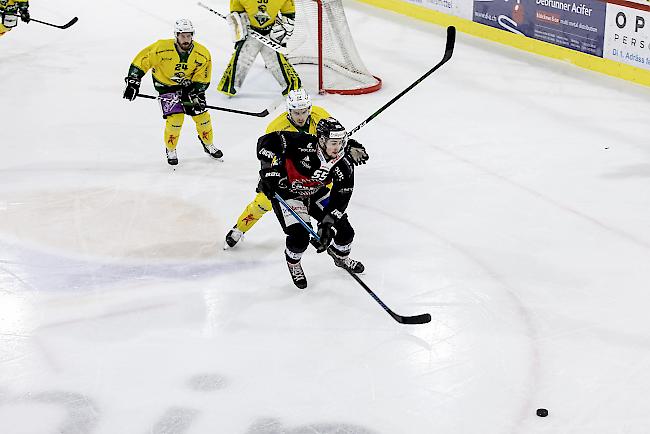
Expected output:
(254, 34)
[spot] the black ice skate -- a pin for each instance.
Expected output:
(211, 150)
(172, 159)
(297, 275)
(343, 260)
(232, 237)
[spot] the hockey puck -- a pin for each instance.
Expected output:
(542, 412)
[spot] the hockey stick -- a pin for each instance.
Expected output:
(416, 319)
(261, 114)
(254, 34)
(449, 50)
(65, 26)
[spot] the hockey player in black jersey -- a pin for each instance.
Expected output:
(298, 167)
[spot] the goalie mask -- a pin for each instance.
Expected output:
(332, 137)
(298, 106)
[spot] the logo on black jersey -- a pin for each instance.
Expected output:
(305, 162)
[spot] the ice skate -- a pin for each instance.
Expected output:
(343, 260)
(172, 158)
(212, 150)
(297, 275)
(232, 237)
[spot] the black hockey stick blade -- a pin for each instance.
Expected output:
(65, 26)
(261, 114)
(449, 50)
(416, 319)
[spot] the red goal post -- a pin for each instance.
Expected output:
(322, 38)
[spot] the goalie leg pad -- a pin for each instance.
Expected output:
(3, 30)
(173, 125)
(240, 63)
(281, 69)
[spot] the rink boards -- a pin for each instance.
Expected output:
(610, 37)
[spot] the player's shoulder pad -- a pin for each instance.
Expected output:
(343, 169)
(164, 44)
(278, 124)
(343, 173)
(318, 113)
(270, 145)
(201, 50)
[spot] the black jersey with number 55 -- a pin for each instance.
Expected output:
(298, 158)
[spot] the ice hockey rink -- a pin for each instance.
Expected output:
(507, 195)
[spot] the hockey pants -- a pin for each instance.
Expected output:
(174, 123)
(255, 210)
(242, 59)
(297, 236)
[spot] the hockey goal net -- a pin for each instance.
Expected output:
(322, 37)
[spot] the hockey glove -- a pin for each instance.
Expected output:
(282, 30)
(357, 152)
(132, 87)
(272, 181)
(325, 233)
(197, 99)
(24, 15)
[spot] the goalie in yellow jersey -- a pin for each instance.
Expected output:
(181, 71)
(302, 117)
(272, 18)
(10, 11)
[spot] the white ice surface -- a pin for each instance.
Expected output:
(507, 195)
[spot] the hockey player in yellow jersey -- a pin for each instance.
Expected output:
(10, 11)
(300, 116)
(181, 71)
(272, 18)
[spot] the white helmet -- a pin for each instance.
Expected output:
(298, 99)
(183, 25)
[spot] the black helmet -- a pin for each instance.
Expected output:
(330, 128)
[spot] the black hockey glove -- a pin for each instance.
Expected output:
(272, 181)
(132, 87)
(197, 99)
(325, 233)
(357, 152)
(24, 15)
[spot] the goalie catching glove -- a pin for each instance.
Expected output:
(239, 24)
(282, 30)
